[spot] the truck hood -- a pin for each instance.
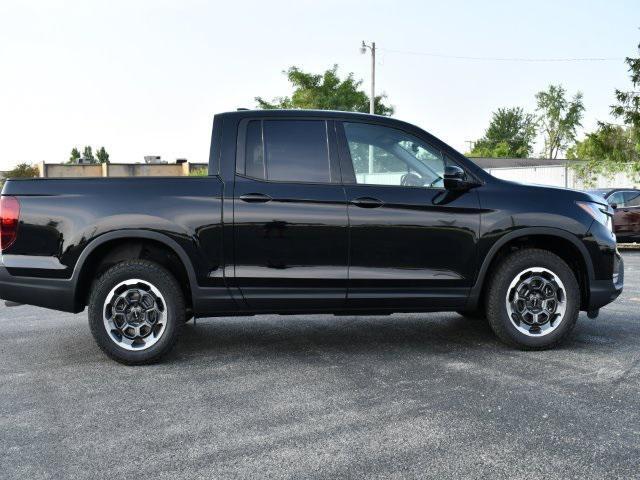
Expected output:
(558, 192)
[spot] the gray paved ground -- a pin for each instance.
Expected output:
(429, 395)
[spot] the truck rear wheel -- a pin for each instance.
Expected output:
(136, 311)
(533, 300)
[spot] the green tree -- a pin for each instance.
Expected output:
(559, 118)
(610, 149)
(75, 155)
(102, 155)
(23, 170)
(199, 172)
(511, 133)
(628, 107)
(614, 148)
(87, 154)
(326, 91)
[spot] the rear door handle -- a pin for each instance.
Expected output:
(255, 198)
(367, 202)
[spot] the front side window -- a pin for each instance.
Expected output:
(387, 156)
(617, 199)
(287, 150)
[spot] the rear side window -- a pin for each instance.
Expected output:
(287, 150)
(632, 199)
(254, 151)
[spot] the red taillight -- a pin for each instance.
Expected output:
(9, 216)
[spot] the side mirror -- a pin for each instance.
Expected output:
(614, 205)
(455, 178)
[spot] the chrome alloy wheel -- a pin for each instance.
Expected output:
(135, 314)
(536, 301)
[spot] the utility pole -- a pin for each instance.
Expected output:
(372, 97)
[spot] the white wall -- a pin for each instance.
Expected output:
(558, 176)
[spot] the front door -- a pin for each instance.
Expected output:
(290, 216)
(412, 243)
(627, 215)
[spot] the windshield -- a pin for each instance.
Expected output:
(599, 193)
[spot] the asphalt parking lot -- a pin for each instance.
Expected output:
(423, 395)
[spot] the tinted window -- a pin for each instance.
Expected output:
(296, 150)
(387, 156)
(632, 199)
(616, 198)
(254, 153)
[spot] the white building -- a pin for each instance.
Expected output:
(548, 172)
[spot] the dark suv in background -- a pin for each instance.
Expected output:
(626, 207)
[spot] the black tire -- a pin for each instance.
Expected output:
(173, 309)
(496, 301)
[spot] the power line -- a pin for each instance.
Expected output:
(504, 59)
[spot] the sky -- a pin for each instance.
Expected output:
(146, 77)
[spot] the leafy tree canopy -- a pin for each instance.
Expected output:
(614, 148)
(87, 154)
(75, 155)
(610, 149)
(628, 106)
(23, 170)
(558, 118)
(326, 91)
(510, 134)
(102, 156)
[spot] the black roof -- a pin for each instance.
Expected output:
(340, 115)
(335, 114)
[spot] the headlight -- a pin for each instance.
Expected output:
(598, 212)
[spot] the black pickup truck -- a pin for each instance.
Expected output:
(308, 212)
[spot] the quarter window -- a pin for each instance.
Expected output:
(387, 156)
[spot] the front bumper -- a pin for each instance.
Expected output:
(603, 292)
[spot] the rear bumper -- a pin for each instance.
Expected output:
(55, 293)
(603, 292)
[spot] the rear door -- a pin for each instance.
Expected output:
(290, 216)
(412, 243)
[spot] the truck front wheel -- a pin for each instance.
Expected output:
(533, 300)
(136, 311)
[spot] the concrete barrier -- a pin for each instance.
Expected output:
(58, 170)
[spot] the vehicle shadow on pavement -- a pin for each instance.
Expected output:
(300, 334)
(428, 333)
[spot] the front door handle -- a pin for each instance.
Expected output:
(255, 198)
(367, 202)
